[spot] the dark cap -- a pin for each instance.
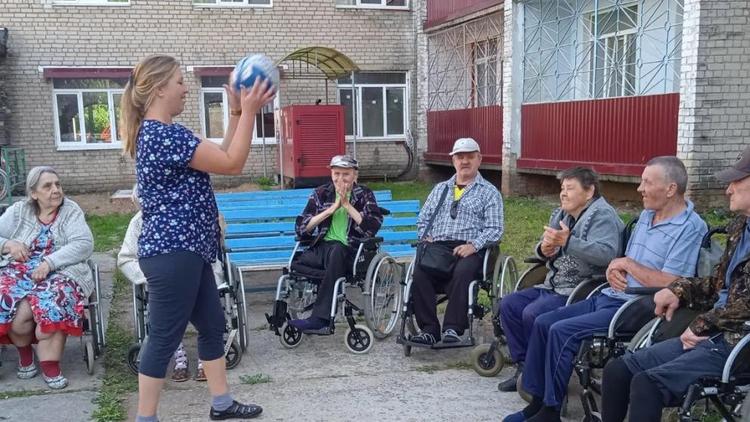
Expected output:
(739, 170)
(344, 161)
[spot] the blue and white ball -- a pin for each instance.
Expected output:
(252, 67)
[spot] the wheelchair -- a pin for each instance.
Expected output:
(727, 392)
(634, 327)
(498, 272)
(485, 356)
(374, 272)
(233, 303)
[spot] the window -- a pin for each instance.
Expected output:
(613, 53)
(215, 112)
(374, 4)
(92, 2)
(381, 104)
(87, 112)
(233, 3)
(485, 72)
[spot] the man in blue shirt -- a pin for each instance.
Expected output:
(664, 246)
(660, 375)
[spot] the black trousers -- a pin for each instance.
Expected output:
(425, 287)
(336, 259)
(181, 288)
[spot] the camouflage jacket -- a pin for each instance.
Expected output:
(702, 293)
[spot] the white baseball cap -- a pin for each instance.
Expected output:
(465, 145)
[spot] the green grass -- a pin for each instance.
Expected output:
(404, 190)
(118, 380)
(255, 379)
(109, 230)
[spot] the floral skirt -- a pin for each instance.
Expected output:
(56, 302)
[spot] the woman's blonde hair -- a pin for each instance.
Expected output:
(149, 74)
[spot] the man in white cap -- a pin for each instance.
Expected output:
(465, 214)
(336, 214)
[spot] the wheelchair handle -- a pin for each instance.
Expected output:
(643, 291)
(384, 211)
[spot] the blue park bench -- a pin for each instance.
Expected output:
(260, 229)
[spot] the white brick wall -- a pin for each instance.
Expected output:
(44, 35)
(714, 91)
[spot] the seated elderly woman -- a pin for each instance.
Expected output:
(44, 277)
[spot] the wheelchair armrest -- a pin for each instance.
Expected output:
(643, 291)
(746, 328)
(368, 242)
(533, 260)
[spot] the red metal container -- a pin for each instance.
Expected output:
(309, 136)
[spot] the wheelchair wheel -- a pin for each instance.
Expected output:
(504, 276)
(133, 358)
(359, 340)
(521, 392)
(642, 338)
(382, 295)
(241, 319)
(88, 354)
(233, 356)
(290, 337)
(486, 364)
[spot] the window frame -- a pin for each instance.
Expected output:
(485, 61)
(625, 37)
(105, 3)
(225, 113)
(115, 142)
(358, 101)
(382, 6)
(231, 5)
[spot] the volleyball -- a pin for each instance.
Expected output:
(252, 67)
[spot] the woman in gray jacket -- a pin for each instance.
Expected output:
(582, 237)
(44, 278)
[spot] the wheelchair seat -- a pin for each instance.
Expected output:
(312, 274)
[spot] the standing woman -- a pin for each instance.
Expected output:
(180, 223)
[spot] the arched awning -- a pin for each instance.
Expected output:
(332, 63)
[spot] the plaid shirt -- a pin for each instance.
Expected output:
(479, 219)
(363, 200)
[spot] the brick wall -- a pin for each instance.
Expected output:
(48, 35)
(714, 92)
(4, 105)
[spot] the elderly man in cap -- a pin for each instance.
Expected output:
(336, 213)
(660, 375)
(469, 220)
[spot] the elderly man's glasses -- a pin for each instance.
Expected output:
(454, 208)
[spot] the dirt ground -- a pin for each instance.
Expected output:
(102, 203)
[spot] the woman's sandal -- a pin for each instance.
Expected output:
(56, 383)
(27, 372)
(236, 411)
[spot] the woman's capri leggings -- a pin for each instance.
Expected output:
(181, 288)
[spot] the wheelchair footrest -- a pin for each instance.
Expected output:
(279, 316)
(325, 331)
(466, 342)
